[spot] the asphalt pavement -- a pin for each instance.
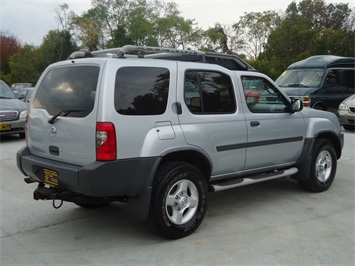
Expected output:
(270, 223)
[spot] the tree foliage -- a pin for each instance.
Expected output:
(310, 28)
(253, 30)
(268, 40)
(9, 45)
(25, 65)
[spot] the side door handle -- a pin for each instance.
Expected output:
(178, 108)
(254, 123)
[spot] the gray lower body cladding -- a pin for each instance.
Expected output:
(129, 177)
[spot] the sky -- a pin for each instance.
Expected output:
(30, 20)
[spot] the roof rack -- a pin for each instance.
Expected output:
(121, 51)
(228, 61)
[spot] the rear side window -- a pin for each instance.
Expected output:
(68, 89)
(209, 92)
(141, 90)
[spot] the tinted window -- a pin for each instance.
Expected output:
(68, 88)
(141, 90)
(332, 79)
(262, 96)
(208, 92)
(350, 80)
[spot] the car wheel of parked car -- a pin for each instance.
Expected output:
(323, 167)
(22, 135)
(179, 200)
(349, 127)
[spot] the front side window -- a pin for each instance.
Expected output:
(262, 96)
(68, 89)
(141, 90)
(208, 92)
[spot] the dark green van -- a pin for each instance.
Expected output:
(321, 82)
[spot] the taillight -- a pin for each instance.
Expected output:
(306, 101)
(105, 142)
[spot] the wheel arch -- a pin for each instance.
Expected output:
(320, 106)
(195, 158)
(334, 139)
(304, 162)
(140, 206)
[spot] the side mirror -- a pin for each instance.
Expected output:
(296, 105)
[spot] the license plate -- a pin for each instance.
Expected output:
(50, 177)
(5, 127)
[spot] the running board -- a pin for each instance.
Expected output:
(239, 182)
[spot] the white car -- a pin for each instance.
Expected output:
(346, 113)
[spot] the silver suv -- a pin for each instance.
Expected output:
(160, 128)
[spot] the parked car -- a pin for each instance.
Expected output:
(321, 82)
(160, 131)
(25, 94)
(12, 112)
(16, 87)
(346, 113)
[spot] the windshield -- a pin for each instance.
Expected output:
(306, 78)
(5, 91)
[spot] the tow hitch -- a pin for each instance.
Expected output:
(54, 194)
(47, 193)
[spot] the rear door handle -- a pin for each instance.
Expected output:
(254, 123)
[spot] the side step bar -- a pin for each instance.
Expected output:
(239, 182)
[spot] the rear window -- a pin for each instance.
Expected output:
(68, 89)
(209, 92)
(141, 90)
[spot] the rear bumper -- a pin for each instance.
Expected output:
(17, 126)
(130, 177)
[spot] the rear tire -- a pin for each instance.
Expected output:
(323, 167)
(179, 200)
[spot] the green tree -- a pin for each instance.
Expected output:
(88, 29)
(25, 65)
(253, 30)
(220, 38)
(176, 32)
(9, 45)
(56, 46)
(309, 28)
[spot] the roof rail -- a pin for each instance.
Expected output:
(121, 51)
(228, 61)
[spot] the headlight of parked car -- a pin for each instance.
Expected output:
(23, 114)
(343, 107)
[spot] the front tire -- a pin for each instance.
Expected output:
(179, 200)
(323, 167)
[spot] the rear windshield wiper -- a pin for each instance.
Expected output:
(65, 112)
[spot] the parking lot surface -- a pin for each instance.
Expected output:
(270, 223)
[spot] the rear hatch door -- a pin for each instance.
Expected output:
(62, 118)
